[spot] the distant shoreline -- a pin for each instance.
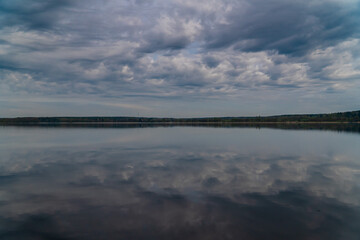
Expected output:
(329, 118)
(172, 123)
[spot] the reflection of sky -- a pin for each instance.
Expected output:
(194, 183)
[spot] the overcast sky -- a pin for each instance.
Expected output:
(178, 58)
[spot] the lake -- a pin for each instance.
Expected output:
(180, 182)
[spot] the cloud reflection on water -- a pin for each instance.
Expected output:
(182, 190)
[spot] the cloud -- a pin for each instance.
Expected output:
(339, 62)
(171, 33)
(33, 14)
(289, 27)
(178, 49)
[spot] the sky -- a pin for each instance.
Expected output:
(178, 58)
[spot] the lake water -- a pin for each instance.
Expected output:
(178, 183)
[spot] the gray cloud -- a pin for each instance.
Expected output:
(290, 27)
(33, 14)
(177, 49)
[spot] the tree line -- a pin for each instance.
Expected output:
(353, 116)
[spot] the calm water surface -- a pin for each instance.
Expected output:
(178, 183)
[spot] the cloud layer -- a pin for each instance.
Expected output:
(158, 51)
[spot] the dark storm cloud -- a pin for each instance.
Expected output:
(290, 27)
(32, 14)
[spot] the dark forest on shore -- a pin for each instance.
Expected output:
(344, 117)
